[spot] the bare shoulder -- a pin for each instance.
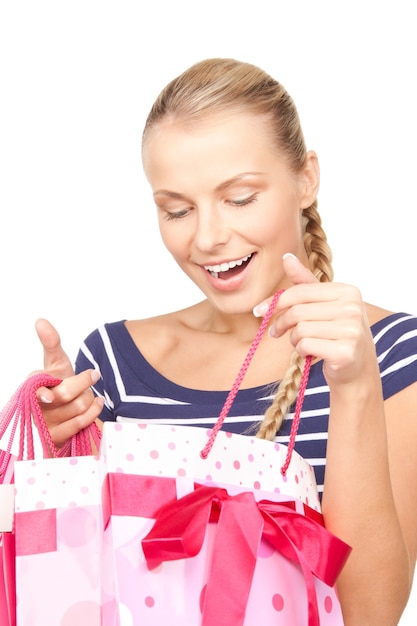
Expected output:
(376, 313)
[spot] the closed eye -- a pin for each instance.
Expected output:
(177, 215)
(243, 201)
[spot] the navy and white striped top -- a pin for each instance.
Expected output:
(133, 389)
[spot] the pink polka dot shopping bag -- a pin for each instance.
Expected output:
(50, 520)
(204, 527)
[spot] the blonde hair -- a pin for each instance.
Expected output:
(226, 85)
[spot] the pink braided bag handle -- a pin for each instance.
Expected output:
(22, 408)
(235, 387)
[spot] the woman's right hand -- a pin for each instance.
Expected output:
(70, 406)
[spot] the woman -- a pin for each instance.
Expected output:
(236, 195)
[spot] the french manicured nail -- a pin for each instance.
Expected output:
(271, 331)
(45, 400)
(289, 255)
(260, 309)
(95, 376)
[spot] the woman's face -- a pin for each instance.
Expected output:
(228, 205)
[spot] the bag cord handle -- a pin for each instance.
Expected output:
(19, 411)
(235, 387)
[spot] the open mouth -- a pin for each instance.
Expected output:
(229, 269)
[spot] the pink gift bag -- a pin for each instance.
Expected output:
(58, 530)
(51, 528)
(203, 527)
(216, 541)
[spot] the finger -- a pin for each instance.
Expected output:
(70, 389)
(55, 360)
(60, 433)
(296, 271)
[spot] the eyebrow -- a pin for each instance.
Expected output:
(220, 187)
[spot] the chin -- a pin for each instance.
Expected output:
(235, 304)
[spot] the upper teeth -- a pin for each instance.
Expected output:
(223, 267)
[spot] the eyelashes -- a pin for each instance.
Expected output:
(240, 202)
(244, 201)
(176, 216)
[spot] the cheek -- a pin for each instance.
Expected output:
(277, 226)
(167, 237)
(173, 238)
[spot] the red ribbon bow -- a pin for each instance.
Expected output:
(179, 532)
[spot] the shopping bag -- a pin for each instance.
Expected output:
(55, 502)
(57, 528)
(204, 527)
(156, 473)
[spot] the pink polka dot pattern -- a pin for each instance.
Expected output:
(234, 459)
(328, 604)
(238, 463)
(277, 602)
(72, 480)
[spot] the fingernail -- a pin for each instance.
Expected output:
(289, 255)
(100, 400)
(45, 400)
(260, 309)
(271, 331)
(95, 376)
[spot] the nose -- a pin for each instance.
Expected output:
(211, 229)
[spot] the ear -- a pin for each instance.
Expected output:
(310, 180)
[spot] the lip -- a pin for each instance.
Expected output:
(229, 284)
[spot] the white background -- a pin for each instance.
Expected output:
(79, 243)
